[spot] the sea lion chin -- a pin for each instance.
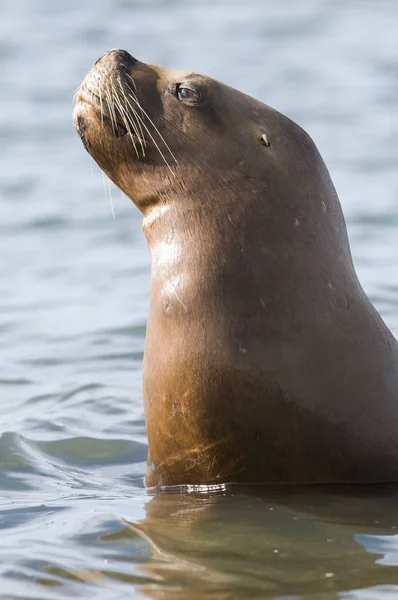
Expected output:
(264, 361)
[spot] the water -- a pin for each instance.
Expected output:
(74, 285)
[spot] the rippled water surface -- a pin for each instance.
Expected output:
(74, 285)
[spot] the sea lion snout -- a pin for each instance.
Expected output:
(117, 57)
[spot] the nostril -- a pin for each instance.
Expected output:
(124, 56)
(118, 55)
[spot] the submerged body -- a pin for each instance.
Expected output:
(264, 362)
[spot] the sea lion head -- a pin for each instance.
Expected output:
(157, 132)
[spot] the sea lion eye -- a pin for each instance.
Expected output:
(187, 94)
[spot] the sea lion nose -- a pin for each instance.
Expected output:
(118, 56)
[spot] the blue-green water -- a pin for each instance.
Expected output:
(74, 286)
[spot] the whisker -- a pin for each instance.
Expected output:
(133, 82)
(141, 120)
(107, 189)
(151, 122)
(137, 130)
(135, 124)
(122, 113)
(110, 198)
(101, 105)
(111, 109)
(154, 141)
(130, 122)
(134, 93)
(75, 95)
(135, 100)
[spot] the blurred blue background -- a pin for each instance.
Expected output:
(74, 282)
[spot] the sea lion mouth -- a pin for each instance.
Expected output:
(117, 107)
(114, 121)
(119, 130)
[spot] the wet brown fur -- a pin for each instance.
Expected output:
(264, 359)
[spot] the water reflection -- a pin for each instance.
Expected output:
(260, 544)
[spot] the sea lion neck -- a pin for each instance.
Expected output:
(187, 208)
(243, 242)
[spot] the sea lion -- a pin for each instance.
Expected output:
(264, 359)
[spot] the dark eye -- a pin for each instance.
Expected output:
(187, 93)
